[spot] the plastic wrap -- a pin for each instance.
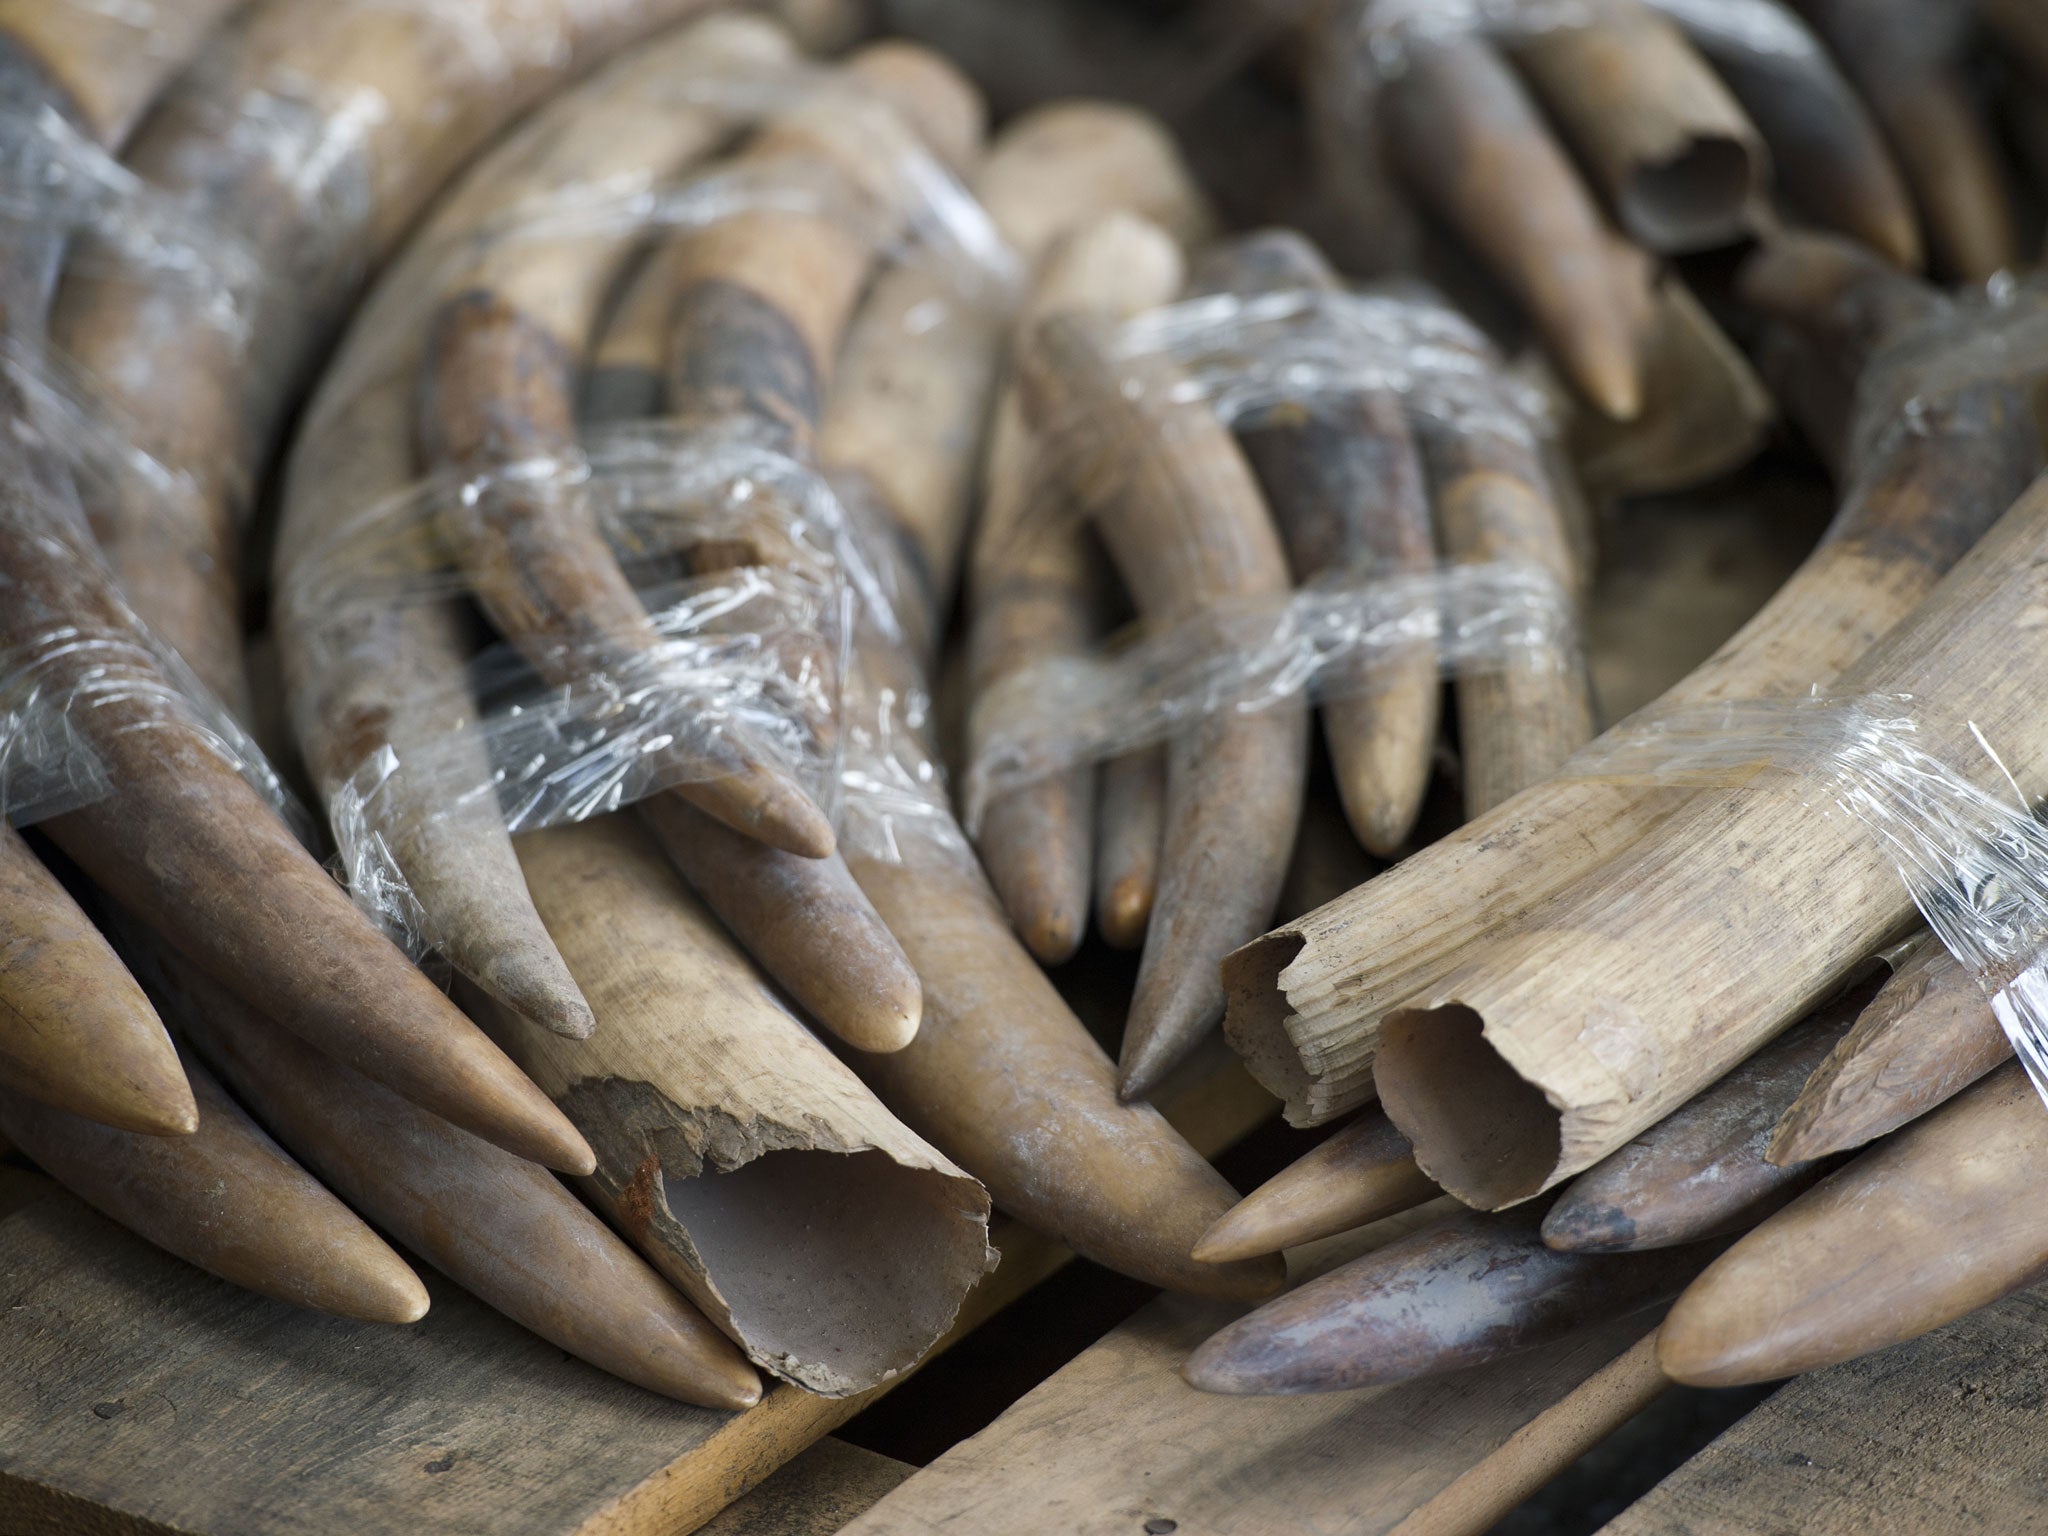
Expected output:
(1971, 338)
(1325, 641)
(1381, 37)
(752, 650)
(1291, 357)
(1974, 861)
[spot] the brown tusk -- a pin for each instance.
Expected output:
(1701, 1172)
(1705, 412)
(1561, 1041)
(1927, 1036)
(1494, 502)
(1130, 829)
(370, 671)
(1682, 167)
(1940, 1220)
(1472, 146)
(211, 407)
(228, 1199)
(1828, 156)
(734, 1150)
(1307, 999)
(1183, 518)
(1348, 490)
(495, 1224)
(804, 920)
(1032, 586)
(1471, 1289)
(80, 1036)
(1006, 1080)
(1362, 1173)
(807, 921)
(1912, 78)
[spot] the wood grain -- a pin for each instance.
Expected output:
(1940, 1437)
(1136, 1448)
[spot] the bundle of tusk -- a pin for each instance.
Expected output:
(1471, 1288)
(1187, 527)
(1927, 1036)
(1363, 1172)
(1032, 598)
(1347, 488)
(373, 673)
(305, 141)
(1828, 157)
(1679, 163)
(1495, 502)
(1701, 1171)
(495, 1224)
(1002, 1077)
(187, 844)
(744, 1159)
(760, 302)
(1306, 1000)
(1563, 1039)
(1943, 1218)
(81, 1037)
(1904, 57)
(1052, 170)
(228, 1199)
(761, 299)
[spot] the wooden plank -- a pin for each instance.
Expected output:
(227, 1413)
(1939, 1436)
(1115, 1443)
(829, 1484)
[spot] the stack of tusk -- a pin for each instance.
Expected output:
(1187, 527)
(369, 672)
(1032, 596)
(1348, 492)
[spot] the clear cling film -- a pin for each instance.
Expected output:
(1972, 338)
(1327, 640)
(1975, 860)
(1386, 35)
